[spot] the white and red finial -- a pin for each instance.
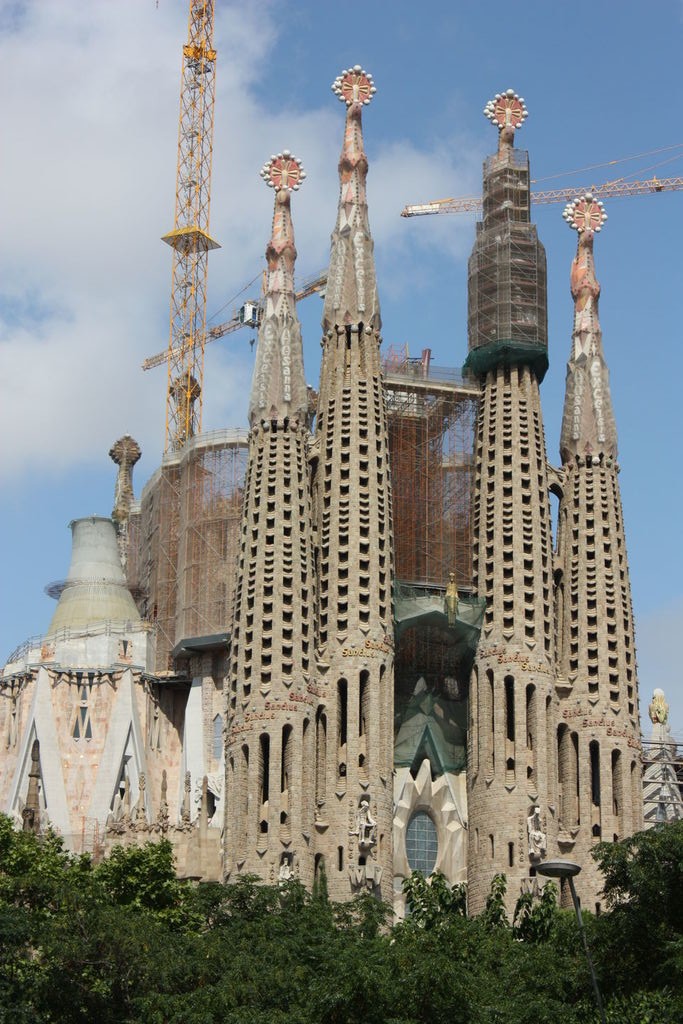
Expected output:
(354, 86)
(585, 213)
(283, 172)
(506, 110)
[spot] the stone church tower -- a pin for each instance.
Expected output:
(598, 737)
(354, 563)
(277, 709)
(512, 686)
(269, 788)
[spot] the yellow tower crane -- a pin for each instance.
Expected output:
(190, 238)
(610, 189)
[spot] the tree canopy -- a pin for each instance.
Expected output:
(126, 941)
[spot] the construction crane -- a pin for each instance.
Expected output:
(248, 315)
(610, 189)
(190, 238)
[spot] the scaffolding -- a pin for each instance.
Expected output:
(431, 419)
(432, 414)
(662, 779)
(211, 514)
(507, 306)
(184, 542)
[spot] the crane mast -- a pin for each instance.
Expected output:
(190, 238)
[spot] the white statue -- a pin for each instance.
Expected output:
(285, 874)
(658, 709)
(537, 837)
(366, 826)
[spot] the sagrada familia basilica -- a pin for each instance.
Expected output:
(349, 640)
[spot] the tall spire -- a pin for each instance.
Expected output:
(507, 304)
(351, 296)
(125, 453)
(279, 386)
(269, 727)
(510, 775)
(354, 548)
(599, 774)
(588, 426)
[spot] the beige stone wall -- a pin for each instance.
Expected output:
(269, 786)
(511, 694)
(598, 731)
(352, 514)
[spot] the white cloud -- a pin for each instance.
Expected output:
(88, 189)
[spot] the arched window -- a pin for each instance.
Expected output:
(422, 843)
(218, 737)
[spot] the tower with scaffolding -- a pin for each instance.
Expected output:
(431, 414)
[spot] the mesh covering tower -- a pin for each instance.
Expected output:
(511, 691)
(598, 740)
(352, 514)
(269, 820)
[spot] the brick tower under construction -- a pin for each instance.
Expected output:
(512, 688)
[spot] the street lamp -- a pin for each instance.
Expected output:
(567, 869)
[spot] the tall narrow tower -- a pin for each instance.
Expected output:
(352, 513)
(190, 238)
(598, 738)
(269, 806)
(511, 693)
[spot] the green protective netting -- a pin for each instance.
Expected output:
(416, 606)
(432, 727)
(430, 724)
(508, 352)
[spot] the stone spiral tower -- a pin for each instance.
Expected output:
(269, 788)
(598, 735)
(512, 688)
(354, 564)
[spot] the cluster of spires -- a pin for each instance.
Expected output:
(279, 393)
(278, 388)
(284, 173)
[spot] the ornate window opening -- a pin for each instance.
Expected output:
(218, 737)
(82, 727)
(422, 843)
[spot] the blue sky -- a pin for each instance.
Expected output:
(88, 189)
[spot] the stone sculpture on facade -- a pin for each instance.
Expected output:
(537, 837)
(658, 709)
(366, 826)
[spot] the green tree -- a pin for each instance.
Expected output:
(639, 943)
(432, 901)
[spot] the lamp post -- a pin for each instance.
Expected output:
(567, 869)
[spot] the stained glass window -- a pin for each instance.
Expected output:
(422, 843)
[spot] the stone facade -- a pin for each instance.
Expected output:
(271, 710)
(354, 567)
(598, 733)
(511, 695)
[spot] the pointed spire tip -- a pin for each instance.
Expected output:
(506, 110)
(585, 213)
(354, 85)
(284, 171)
